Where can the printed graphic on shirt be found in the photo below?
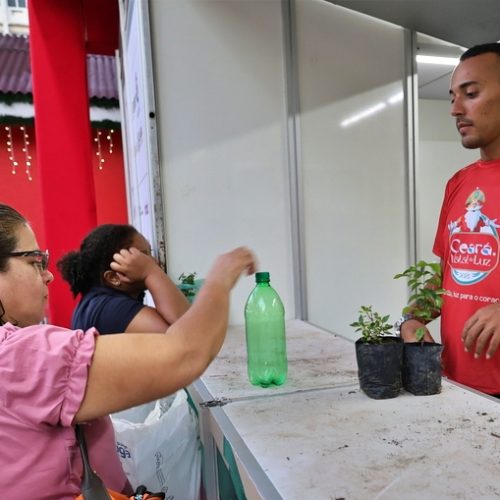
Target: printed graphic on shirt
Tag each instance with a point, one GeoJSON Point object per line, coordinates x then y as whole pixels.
{"type": "Point", "coordinates": [473, 242]}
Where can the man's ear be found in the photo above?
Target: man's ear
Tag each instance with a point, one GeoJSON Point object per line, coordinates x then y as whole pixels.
{"type": "Point", "coordinates": [111, 278]}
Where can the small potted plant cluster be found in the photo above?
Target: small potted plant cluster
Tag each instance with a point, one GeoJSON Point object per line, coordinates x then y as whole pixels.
{"type": "Point", "coordinates": [385, 363]}
{"type": "Point", "coordinates": [189, 285]}
{"type": "Point", "coordinates": [379, 355]}
{"type": "Point", "coordinates": [422, 360]}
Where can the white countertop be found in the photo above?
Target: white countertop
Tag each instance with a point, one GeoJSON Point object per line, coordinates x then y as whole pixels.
{"type": "Point", "coordinates": [319, 437]}
{"type": "Point", "coordinates": [339, 443]}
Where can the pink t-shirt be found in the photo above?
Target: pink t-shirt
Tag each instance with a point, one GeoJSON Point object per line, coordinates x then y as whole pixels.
{"type": "Point", "coordinates": [43, 374]}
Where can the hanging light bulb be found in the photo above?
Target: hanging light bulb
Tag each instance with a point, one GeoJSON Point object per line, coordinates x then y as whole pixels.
{"type": "Point", "coordinates": [110, 141]}
{"type": "Point", "coordinates": [97, 140]}
{"type": "Point", "coordinates": [27, 156]}
{"type": "Point", "coordinates": [10, 150]}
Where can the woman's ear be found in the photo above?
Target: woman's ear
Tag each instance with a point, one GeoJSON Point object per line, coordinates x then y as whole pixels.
{"type": "Point", "coordinates": [111, 278]}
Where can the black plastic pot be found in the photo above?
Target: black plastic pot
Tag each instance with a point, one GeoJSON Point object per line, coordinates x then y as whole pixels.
{"type": "Point", "coordinates": [379, 367]}
{"type": "Point", "coordinates": [422, 368]}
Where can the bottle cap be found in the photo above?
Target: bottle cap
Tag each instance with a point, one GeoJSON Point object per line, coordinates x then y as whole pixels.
{"type": "Point", "coordinates": [261, 277]}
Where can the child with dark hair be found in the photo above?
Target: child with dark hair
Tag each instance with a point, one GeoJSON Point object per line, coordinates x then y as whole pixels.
{"type": "Point", "coordinates": [111, 271]}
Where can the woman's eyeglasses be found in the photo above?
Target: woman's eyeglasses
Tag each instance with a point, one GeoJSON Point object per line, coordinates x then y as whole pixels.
{"type": "Point", "coordinates": [41, 257]}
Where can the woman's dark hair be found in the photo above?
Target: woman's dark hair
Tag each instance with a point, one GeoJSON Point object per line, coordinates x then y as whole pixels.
{"type": "Point", "coordinates": [84, 269]}
{"type": "Point", "coordinates": [10, 220]}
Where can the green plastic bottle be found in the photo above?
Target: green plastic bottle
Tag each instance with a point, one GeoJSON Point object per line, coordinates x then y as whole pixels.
{"type": "Point", "coordinates": [265, 334]}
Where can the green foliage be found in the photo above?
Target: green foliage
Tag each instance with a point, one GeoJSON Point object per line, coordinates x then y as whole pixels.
{"type": "Point", "coordinates": [187, 279]}
{"type": "Point", "coordinates": [372, 326]}
{"type": "Point", "coordinates": [187, 284]}
{"type": "Point", "coordinates": [425, 301]}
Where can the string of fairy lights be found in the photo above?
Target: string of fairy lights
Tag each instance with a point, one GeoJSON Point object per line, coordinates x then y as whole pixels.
{"type": "Point", "coordinates": [14, 163]}
{"type": "Point", "coordinates": [102, 138]}
{"type": "Point", "coordinates": [100, 149]}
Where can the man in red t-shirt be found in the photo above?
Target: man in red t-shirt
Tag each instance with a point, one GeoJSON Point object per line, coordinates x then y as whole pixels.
{"type": "Point", "coordinates": [467, 240]}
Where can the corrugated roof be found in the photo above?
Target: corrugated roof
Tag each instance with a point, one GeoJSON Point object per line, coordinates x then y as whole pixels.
{"type": "Point", "coordinates": [15, 70]}
{"type": "Point", "coordinates": [15, 73]}
{"type": "Point", "coordinates": [101, 75]}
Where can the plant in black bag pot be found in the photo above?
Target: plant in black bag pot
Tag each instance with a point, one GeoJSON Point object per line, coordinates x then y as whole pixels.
{"type": "Point", "coordinates": [189, 286]}
{"type": "Point", "coordinates": [422, 360]}
{"type": "Point", "coordinates": [379, 355]}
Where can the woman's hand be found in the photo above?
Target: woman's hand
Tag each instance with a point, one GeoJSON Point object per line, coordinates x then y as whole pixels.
{"type": "Point", "coordinates": [229, 266]}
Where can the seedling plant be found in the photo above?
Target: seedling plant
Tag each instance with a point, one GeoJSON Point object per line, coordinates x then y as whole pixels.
{"type": "Point", "coordinates": [187, 278]}
{"type": "Point", "coordinates": [372, 325]}
{"type": "Point", "coordinates": [425, 301]}
{"type": "Point", "coordinates": [187, 283]}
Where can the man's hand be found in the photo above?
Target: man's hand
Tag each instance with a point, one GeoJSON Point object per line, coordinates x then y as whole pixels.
{"type": "Point", "coordinates": [481, 333]}
{"type": "Point", "coordinates": [409, 329]}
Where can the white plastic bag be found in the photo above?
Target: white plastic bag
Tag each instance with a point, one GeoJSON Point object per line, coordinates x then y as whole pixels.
{"type": "Point", "coordinates": [158, 445]}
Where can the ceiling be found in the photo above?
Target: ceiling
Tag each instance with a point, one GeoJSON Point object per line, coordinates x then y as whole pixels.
{"type": "Point", "coordinates": [434, 79]}
{"type": "Point", "coordinates": [454, 24]}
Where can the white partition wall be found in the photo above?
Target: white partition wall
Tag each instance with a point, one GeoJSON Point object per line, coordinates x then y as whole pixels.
{"type": "Point", "coordinates": [224, 71]}
{"type": "Point", "coordinates": [353, 140]}
{"type": "Point", "coordinates": [220, 95]}
{"type": "Point", "coordinates": [441, 154]}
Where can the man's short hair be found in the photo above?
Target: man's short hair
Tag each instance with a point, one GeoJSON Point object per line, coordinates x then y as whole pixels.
{"type": "Point", "coordinates": [484, 48]}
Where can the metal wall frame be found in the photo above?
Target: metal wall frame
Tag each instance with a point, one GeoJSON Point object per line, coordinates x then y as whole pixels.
{"type": "Point", "coordinates": [140, 8]}
{"type": "Point", "coordinates": [293, 152]}
{"type": "Point", "coordinates": [293, 156]}
{"type": "Point", "coordinates": [411, 122]}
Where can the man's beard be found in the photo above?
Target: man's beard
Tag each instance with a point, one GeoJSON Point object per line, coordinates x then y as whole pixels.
{"type": "Point", "coordinates": [471, 141]}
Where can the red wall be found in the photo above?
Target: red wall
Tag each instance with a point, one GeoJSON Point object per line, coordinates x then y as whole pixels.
{"type": "Point", "coordinates": [109, 182]}
{"type": "Point", "coordinates": [25, 195]}
{"type": "Point", "coordinates": [16, 190]}
{"type": "Point", "coordinates": [59, 43]}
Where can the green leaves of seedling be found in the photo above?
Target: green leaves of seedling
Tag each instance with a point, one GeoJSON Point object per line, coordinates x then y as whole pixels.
{"type": "Point", "coordinates": [187, 284]}
{"type": "Point", "coordinates": [187, 279]}
{"type": "Point", "coordinates": [425, 301]}
{"type": "Point", "coordinates": [372, 326]}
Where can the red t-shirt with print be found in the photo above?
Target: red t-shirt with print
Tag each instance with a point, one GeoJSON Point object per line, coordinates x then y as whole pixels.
{"type": "Point", "coordinates": [467, 241]}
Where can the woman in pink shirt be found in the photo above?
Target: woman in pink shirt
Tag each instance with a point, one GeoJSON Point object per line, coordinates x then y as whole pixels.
{"type": "Point", "coordinates": [53, 378]}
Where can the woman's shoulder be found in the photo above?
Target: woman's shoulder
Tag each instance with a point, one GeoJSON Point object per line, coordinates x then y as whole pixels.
{"type": "Point", "coordinates": [7, 330]}
{"type": "Point", "coordinates": [44, 336]}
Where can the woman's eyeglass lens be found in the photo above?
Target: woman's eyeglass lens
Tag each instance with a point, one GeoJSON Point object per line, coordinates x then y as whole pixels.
{"type": "Point", "coordinates": [42, 257]}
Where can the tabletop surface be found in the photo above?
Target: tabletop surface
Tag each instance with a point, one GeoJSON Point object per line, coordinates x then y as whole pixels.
{"type": "Point", "coordinates": [319, 437]}
{"type": "Point", "coordinates": [316, 359]}
{"type": "Point", "coordinates": [340, 444]}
